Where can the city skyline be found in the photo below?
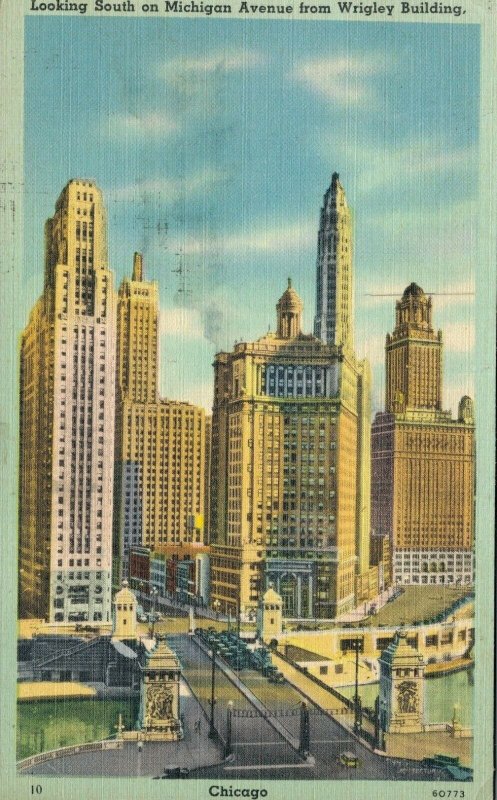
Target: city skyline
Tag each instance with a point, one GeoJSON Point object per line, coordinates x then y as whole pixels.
{"type": "Point", "coordinates": [195, 195]}
{"type": "Point", "coordinates": [249, 281]}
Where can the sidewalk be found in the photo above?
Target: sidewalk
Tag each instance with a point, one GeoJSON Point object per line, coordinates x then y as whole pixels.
{"type": "Point", "coordinates": [314, 693]}
{"type": "Point", "coordinates": [362, 611]}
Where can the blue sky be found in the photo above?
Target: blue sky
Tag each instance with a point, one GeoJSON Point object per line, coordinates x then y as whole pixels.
{"type": "Point", "coordinates": [214, 141]}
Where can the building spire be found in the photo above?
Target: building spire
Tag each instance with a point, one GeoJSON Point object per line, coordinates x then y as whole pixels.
{"type": "Point", "coordinates": [333, 322]}
{"type": "Point", "coordinates": [137, 267]}
{"type": "Point", "coordinates": [289, 310]}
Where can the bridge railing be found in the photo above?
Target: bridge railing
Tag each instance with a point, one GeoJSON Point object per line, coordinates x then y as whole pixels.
{"type": "Point", "coordinates": [71, 750]}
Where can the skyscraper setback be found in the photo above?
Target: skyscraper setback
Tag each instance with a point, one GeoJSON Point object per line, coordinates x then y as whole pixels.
{"type": "Point", "coordinates": [290, 450]}
{"type": "Point", "coordinates": [67, 404]}
{"type": "Point", "coordinates": [105, 463]}
{"type": "Point", "coordinates": [160, 444]}
{"type": "Point", "coordinates": [422, 459]}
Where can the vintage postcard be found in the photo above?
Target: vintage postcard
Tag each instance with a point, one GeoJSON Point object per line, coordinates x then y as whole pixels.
{"type": "Point", "coordinates": [248, 275]}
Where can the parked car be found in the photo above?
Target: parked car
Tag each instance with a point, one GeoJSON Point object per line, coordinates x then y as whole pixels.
{"type": "Point", "coordinates": [175, 772]}
{"type": "Point", "coordinates": [276, 677]}
{"type": "Point", "coordinates": [349, 759]}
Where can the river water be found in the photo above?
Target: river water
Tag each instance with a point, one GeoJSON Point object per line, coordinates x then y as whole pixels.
{"type": "Point", "coordinates": [441, 694]}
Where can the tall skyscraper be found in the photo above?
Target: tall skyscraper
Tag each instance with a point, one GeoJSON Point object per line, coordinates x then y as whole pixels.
{"type": "Point", "coordinates": [67, 402]}
{"type": "Point", "coordinates": [290, 459]}
{"type": "Point", "coordinates": [334, 320]}
{"type": "Point", "coordinates": [138, 337]}
{"type": "Point", "coordinates": [160, 444]}
{"type": "Point", "coordinates": [422, 459]}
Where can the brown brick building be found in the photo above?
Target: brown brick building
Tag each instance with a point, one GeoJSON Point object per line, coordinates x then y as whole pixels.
{"type": "Point", "coordinates": [422, 460]}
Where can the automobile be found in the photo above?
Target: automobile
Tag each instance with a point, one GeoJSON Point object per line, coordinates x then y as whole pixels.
{"type": "Point", "coordinates": [175, 772]}
{"type": "Point", "coordinates": [348, 759]}
{"type": "Point", "coordinates": [142, 618]}
{"type": "Point", "coordinates": [276, 677]}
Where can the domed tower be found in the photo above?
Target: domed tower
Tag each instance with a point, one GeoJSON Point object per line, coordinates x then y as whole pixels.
{"type": "Point", "coordinates": [270, 615]}
{"type": "Point", "coordinates": [124, 613]}
{"type": "Point", "coordinates": [413, 356]}
{"type": "Point", "coordinates": [289, 310]}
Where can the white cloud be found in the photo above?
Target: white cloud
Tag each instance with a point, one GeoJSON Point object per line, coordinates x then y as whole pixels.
{"type": "Point", "coordinates": [265, 239]}
{"type": "Point", "coordinates": [169, 189]}
{"type": "Point", "coordinates": [390, 166]}
{"type": "Point", "coordinates": [343, 80]}
{"type": "Point", "coordinates": [371, 347]}
{"type": "Point", "coordinates": [459, 337]}
{"type": "Point", "coordinates": [200, 394]}
{"type": "Point", "coordinates": [147, 124]}
{"type": "Point", "coordinates": [186, 388]}
{"type": "Point", "coordinates": [449, 295]}
{"type": "Point", "coordinates": [454, 389]}
{"type": "Point", "coordinates": [182, 322]}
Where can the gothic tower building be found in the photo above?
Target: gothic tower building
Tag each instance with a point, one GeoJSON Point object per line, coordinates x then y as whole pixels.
{"type": "Point", "coordinates": [334, 320]}
{"type": "Point", "coordinates": [423, 461]}
{"type": "Point", "coordinates": [67, 402]}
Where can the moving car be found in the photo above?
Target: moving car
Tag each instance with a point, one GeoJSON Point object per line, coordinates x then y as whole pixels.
{"type": "Point", "coordinates": [348, 759]}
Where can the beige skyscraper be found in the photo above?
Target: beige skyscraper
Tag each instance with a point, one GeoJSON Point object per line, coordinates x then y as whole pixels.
{"type": "Point", "coordinates": [160, 444]}
{"type": "Point", "coordinates": [67, 402]}
{"type": "Point", "coordinates": [423, 460]}
{"type": "Point", "coordinates": [290, 451]}
{"type": "Point", "coordinates": [138, 337]}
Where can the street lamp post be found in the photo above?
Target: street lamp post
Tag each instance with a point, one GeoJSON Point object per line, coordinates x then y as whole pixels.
{"type": "Point", "coordinates": [154, 594]}
{"type": "Point", "coordinates": [357, 699]}
{"type": "Point", "coordinates": [212, 729]}
{"type": "Point", "coordinates": [305, 732]}
{"type": "Point", "coordinates": [229, 723]}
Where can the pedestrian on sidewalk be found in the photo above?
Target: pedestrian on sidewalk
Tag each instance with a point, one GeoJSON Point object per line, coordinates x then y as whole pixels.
{"type": "Point", "coordinates": [140, 745]}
